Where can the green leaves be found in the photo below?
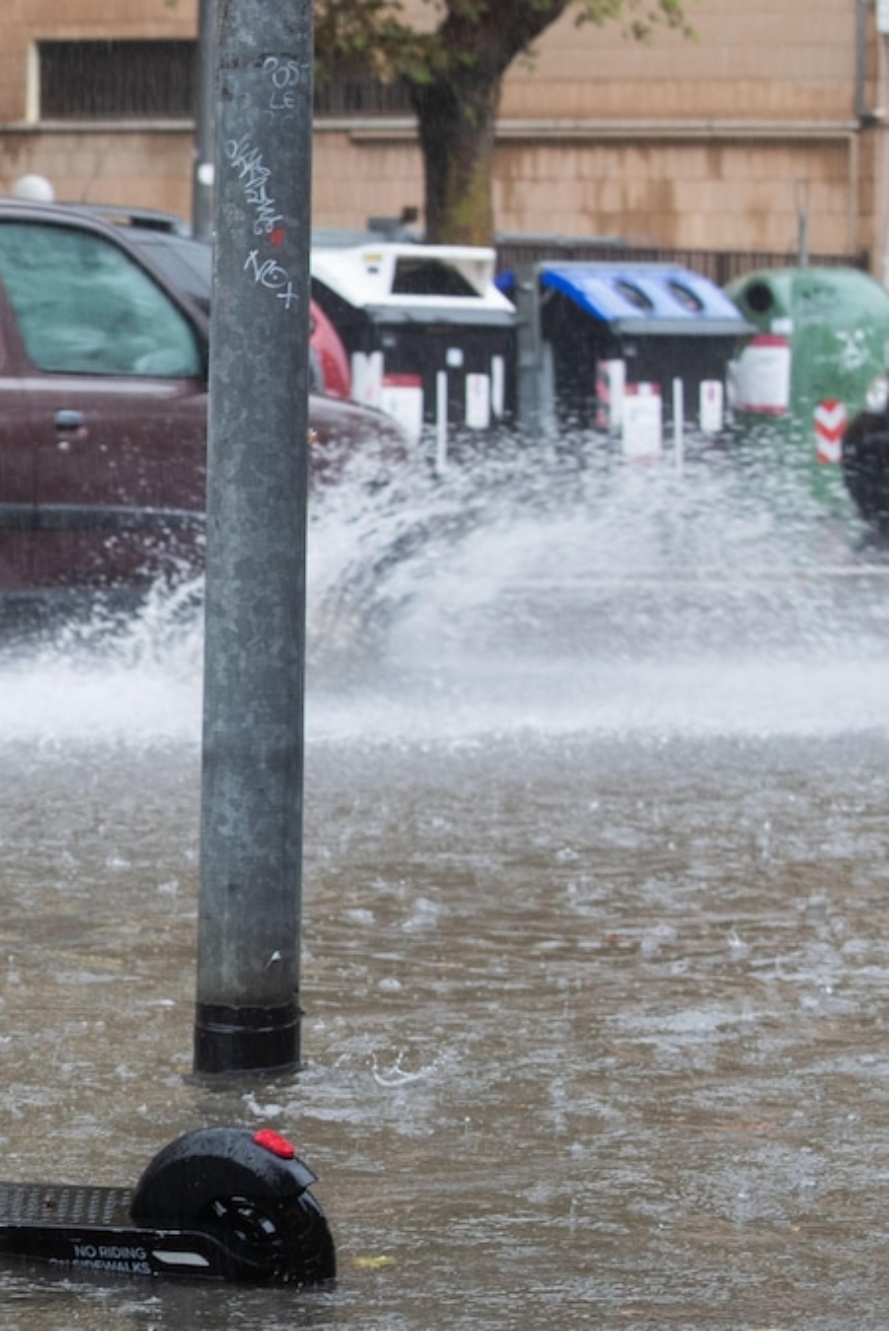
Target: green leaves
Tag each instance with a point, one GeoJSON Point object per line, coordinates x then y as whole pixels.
{"type": "Point", "coordinates": [369, 35]}
{"type": "Point", "coordinates": [453, 59]}
{"type": "Point", "coordinates": [376, 35]}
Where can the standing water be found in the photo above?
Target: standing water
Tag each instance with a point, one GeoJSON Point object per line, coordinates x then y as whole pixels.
{"type": "Point", "coordinates": [596, 963]}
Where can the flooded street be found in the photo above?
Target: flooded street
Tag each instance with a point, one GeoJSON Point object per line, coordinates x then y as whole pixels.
{"type": "Point", "coordinates": [596, 935]}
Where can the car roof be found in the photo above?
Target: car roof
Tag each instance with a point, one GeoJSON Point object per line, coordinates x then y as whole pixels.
{"type": "Point", "coordinates": [147, 219]}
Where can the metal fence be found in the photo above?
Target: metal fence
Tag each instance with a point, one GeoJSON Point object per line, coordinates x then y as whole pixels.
{"type": "Point", "coordinates": [720, 266]}
{"type": "Point", "coordinates": [116, 79]}
{"type": "Point", "coordinates": [357, 94]}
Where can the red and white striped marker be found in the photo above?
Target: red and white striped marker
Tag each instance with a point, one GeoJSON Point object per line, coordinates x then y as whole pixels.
{"type": "Point", "coordinates": [830, 426]}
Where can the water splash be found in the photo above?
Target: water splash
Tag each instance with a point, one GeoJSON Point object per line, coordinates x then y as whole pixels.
{"type": "Point", "coordinates": [543, 587]}
{"type": "Point", "coordinates": [554, 590]}
{"type": "Point", "coordinates": [108, 677]}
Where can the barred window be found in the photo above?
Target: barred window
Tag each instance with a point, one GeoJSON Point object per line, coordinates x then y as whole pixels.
{"type": "Point", "coordinates": [117, 79]}
{"type": "Point", "coordinates": [132, 80]}
{"type": "Point", "coordinates": [347, 93]}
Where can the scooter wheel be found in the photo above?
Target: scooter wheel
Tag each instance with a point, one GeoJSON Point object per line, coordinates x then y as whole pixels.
{"type": "Point", "coordinates": [288, 1244]}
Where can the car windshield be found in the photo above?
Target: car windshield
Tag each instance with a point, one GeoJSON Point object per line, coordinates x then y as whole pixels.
{"type": "Point", "coordinates": [83, 306]}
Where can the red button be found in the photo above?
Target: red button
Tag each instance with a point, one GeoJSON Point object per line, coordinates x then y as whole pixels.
{"type": "Point", "coordinates": [274, 1142]}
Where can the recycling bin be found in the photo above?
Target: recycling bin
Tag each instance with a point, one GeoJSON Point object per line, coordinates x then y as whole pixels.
{"type": "Point", "coordinates": [821, 337]}
{"type": "Point", "coordinates": [429, 336]}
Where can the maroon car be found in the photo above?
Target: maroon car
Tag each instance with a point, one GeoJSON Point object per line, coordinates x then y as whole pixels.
{"type": "Point", "coordinates": [103, 407]}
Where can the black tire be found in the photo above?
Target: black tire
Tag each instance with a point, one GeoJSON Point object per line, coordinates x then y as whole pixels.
{"type": "Point", "coordinates": [865, 463]}
{"type": "Point", "coordinates": [289, 1243]}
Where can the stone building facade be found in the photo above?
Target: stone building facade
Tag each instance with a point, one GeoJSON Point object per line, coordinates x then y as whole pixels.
{"type": "Point", "coordinates": [776, 112]}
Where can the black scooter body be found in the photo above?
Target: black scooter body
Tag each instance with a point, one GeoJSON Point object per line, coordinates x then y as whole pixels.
{"type": "Point", "coordinates": [216, 1204]}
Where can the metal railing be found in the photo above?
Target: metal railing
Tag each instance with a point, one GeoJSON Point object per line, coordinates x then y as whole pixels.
{"type": "Point", "coordinates": [720, 266]}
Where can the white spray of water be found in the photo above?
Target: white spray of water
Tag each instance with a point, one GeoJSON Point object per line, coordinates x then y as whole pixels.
{"type": "Point", "coordinates": [554, 598]}
{"type": "Point", "coordinates": [107, 680]}
{"type": "Point", "coordinates": [523, 591]}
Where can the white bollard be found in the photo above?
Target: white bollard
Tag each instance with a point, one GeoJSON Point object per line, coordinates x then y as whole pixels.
{"type": "Point", "coordinates": [679, 424]}
{"type": "Point", "coordinates": [441, 421]}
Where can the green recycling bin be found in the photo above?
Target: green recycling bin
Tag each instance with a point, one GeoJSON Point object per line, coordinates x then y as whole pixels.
{"type": "Point", "coordinates": [822, 336]}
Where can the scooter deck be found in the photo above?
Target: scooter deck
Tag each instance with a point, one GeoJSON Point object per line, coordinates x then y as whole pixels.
{"type": "Point", "coordinates": [89, 1229]}
{"type": "Point", "coordinates": [64, 1204]}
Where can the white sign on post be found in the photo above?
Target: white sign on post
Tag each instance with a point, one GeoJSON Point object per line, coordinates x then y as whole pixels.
{"type": "Point", "coordinates": [478, 401]}
{"type": "Point", "coordinates": [762, 375]}
{"type": "Point", "coordinates": [367, 377]}
{"type": "Point", "coordinates": [643, 433]}
{"type": "Point", "coordinates": [710, 414]}
{"type": "Point", "coordinates": [401, 396]}
{"type": "Point", "coordinates": [610, 378]}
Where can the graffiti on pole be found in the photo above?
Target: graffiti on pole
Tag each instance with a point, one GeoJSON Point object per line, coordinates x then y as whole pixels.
{"type": "Point", "coordinates": [285, 77]}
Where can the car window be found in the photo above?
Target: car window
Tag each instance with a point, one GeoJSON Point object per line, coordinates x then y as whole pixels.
{"type": "Point", "coordinates": [186, 263]}
{"type": "Point", "coordinates": [84, 307]}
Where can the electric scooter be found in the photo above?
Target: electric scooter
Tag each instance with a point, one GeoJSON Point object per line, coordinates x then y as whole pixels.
{"type": "Point", "coordinates": [223, 1204]}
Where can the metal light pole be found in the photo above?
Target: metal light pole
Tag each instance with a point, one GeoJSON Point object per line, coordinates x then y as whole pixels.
{"type": "Point", "coordinates": [205, 117]}
{"type": "Point", "coordinates": [248, 1003]}
{"type": "Point", "coordinates": [530, 349]}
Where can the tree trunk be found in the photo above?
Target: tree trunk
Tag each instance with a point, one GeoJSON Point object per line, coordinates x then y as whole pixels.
{"type": "Point", "coordinates": [456, 121]}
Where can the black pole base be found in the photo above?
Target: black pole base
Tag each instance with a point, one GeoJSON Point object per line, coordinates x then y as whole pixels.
{"type": "Point", "coordinates": [237, 1041]}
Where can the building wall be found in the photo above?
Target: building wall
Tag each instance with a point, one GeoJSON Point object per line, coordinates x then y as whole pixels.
{"type": "Point", "coordinates": [699, 194]}
{"type": "Point", "coordinates": [374, 175]}
{"type": "Point", "coordinates": [23, 22]}
{"type": "Point", "coordinates": [149, 169]}
{"type": "Point", "coordinates": [148, 166]}
{"type": "Point", "coordinates": [756, 61]}
{"type": "Point", "coordinates": [712, 143]}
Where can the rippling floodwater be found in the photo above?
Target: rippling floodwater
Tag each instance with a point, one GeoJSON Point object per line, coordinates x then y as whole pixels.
{"type": "Point", "coordinates": [596, 966]}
